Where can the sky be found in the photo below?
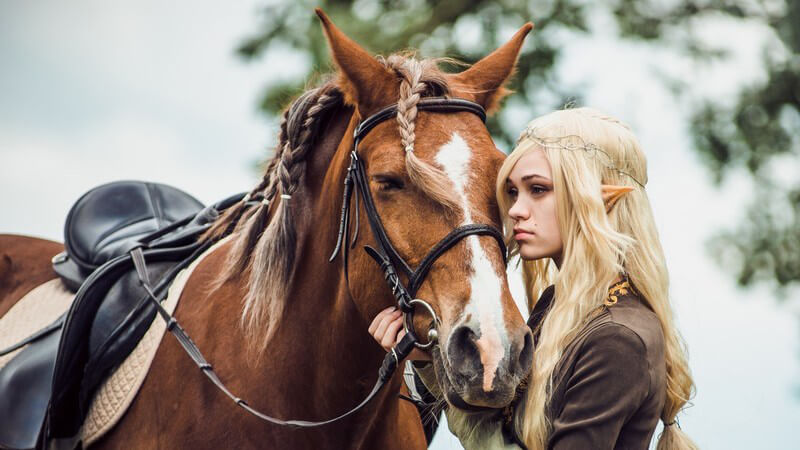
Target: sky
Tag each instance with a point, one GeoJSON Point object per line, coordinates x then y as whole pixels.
{"type": "Point", "coordinates": [94, 91]}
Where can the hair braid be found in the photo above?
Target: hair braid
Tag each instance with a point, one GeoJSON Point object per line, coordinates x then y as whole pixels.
{"type": "Point", "coordinates": [274, 252]}
{"type": "Point", "coordinates": [430, 179]}
{"type": "Point", "coordinates": [235, 216]}
{"type": "Point", "coordinates": [410, 94]}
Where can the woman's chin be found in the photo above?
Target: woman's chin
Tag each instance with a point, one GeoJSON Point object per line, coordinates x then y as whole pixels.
{"type": "Point", "coordinates": [529, 254]}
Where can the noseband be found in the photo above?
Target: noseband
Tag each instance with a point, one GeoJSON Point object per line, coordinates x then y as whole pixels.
{"type": "Point", "coordinates": [384, 253]}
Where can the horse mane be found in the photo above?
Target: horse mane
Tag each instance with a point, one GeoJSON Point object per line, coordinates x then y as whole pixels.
{"type": "Point", "coordinates": [265, 249]}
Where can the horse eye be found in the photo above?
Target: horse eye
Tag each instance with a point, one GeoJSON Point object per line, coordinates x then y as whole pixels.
{"type": "Point", "coordinates": [388, 183]}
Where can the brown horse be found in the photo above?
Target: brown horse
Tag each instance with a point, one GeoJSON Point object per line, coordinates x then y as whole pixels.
{"type": "Point", "coordinates": [283, 327]}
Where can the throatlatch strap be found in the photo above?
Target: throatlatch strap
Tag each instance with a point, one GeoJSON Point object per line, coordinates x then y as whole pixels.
{"type": "Point", "coordinates": [390, 361]}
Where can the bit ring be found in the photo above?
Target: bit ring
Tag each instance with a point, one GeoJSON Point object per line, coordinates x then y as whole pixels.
{"type": "Point", "coordinates": [409, 325]}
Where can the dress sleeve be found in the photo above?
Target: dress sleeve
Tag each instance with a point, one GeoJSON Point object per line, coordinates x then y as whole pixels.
{"type": "Point", "coordinates": [609, 382]}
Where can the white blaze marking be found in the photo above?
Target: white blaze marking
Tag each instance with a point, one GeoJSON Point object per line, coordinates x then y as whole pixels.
{"type": "Point", "coordinates": [485, 283]}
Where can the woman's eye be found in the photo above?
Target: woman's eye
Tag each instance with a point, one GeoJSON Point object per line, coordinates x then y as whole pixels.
{"type": "Point", "coordinates": [512, 192]}
{"type": "Point", "coordinates": [537, 189]}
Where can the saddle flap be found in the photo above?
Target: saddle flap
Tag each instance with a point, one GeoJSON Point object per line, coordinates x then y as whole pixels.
{"type": "Point", "coordinates": [105, 322]}
{"type": "Point", "coordinates": [25, 384]}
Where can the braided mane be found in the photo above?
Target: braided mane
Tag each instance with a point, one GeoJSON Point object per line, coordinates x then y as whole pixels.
{"type": "Point", "coordinates": [266, 249]}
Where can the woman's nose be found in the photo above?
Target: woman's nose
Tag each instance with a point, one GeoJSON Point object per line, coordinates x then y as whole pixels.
{"type": "Point", "coordinates": [518, 211]}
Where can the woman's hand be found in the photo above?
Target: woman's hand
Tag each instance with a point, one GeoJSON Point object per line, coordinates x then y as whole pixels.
{"type": "Point", "coordinates": [387, 329]}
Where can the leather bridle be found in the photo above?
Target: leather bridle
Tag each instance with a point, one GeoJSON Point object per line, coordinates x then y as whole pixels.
{"type": "Point", "coordinates": [385, 255]}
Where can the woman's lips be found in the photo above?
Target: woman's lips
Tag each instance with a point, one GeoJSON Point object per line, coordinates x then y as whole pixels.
{"type": "Point", "coordinates": [520, 235]}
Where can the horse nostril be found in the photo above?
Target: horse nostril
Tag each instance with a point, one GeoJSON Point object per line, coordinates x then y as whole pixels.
{"type": "Point", "coordinates": [463, 353]}
{"type": "Point", "coordinates": [526, 354]}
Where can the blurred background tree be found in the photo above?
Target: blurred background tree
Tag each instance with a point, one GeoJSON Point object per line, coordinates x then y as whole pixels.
{"type": "Point", "coordinates": [756, 133]}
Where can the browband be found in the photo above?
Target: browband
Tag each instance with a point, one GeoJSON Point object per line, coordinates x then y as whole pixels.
{"type": "Point", "coordinates": [436, 104]}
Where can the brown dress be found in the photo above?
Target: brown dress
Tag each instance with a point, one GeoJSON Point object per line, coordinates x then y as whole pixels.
{"type": "Point", "coordinates": [610, 384]}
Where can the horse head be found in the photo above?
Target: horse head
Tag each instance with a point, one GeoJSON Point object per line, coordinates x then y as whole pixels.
{"type": "Point", "coordinates": [428, 173]}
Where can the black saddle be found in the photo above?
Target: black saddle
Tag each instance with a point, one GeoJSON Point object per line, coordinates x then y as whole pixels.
{"type": "Point", "coordinates": [46, 390]}
{"type": "Point", "coordinates": [109, 220]}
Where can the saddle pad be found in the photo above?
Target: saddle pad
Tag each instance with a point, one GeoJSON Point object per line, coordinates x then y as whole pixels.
{"type": "Point", "coordinates": [116, 394]}
{"type": "Point", "coordinates": [37, 309]}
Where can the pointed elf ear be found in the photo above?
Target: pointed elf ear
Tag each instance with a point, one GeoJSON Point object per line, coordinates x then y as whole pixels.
{"type": "Point", "coordinates": [487, 76]}
{"type": "Point", "coordinates": [613, 193]}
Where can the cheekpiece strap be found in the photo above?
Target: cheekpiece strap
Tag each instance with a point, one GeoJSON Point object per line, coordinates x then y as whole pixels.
{"type": "Point", "coordinates": [399, 291]}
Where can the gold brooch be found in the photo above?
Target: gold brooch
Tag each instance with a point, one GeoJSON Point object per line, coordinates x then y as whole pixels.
{"type": "Point", "coordinates": [618, 289]}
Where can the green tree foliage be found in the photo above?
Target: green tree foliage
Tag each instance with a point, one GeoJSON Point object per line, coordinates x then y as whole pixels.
{"type": "Point", "coordinates": [756, 133]}
{"type": "Point", "coordinates": [435, 28]}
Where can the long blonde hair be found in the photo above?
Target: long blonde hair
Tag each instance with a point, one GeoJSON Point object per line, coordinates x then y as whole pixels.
{"type": "Point", "coordinates": [585, 149]}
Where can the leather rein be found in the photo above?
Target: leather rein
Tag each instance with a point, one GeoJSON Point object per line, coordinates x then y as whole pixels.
{"type": "Point", "coordinates": [385, 255]}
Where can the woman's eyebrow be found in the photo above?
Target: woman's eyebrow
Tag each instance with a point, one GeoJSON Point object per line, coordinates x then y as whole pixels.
{"type": "Point", "coordinates": [534, 175]}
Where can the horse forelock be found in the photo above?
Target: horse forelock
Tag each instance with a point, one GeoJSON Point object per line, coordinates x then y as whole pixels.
{"type": "Point", "coordinates": [419, 79]}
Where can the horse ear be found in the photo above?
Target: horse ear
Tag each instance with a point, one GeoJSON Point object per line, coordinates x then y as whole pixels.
{"type": "Point", "coordinates": [487, 76]}
{"type": "Point", "coordinates": [366, 81]}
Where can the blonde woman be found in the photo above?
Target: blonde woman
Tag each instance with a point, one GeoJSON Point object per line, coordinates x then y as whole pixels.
{"type": "Point", "coordinates": [608, 361]}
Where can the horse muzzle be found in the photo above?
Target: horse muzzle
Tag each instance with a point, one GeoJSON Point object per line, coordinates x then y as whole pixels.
{"type": "Point", "coordinates": [477, 374]}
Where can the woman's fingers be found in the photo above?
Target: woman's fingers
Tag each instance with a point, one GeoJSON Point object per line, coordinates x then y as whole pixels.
{"type": "Point", "coordinates": [391, 337]}
{"type": "Point", "coordinates": [377, 320]}
{"type": "Point", "coordinates": [380, 331]}
{"type": "Point", "coordinates": [387, 329]}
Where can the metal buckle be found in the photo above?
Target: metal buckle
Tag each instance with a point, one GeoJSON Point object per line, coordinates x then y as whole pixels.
{"type": "Point", "coordinates": [59, 258]}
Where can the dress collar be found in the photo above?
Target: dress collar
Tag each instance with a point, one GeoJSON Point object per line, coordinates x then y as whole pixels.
{"type": "Point", "coordinates": [615, 292]}
{"type": "Point", "coordinates": [540, 310]}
